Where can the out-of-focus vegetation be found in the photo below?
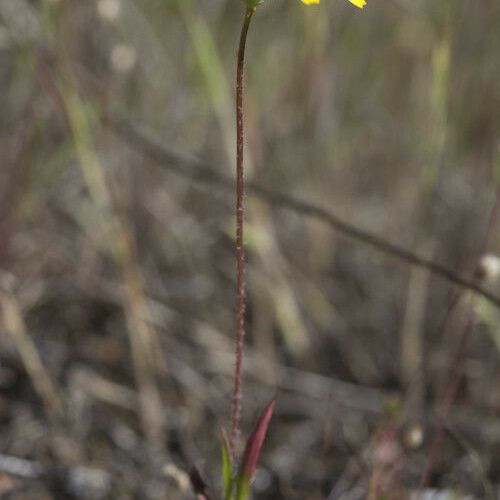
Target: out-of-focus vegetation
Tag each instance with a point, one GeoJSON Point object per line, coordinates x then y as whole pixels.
{"type": "Point", "coordinates": [117, 284]}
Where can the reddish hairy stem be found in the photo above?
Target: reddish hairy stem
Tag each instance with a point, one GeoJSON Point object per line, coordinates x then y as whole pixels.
{"type": "Point", "coordinates": [457, 367]}
{"type": "Point", "coordinates": [240, 251]}
{"type": "Point", "coordinates": [449, 397]}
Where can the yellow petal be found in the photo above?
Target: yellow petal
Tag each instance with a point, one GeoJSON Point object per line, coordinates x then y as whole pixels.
{"type": "Point", "coordinates": [358, 3]}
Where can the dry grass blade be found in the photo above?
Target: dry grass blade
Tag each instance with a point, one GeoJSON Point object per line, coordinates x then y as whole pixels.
{"type": "Point", "coordinates": [121, 246]}
{"type": "Point", "coordinates": [44, 386]}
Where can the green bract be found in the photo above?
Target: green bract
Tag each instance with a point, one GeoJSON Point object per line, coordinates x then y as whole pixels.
{"type": "Point", "coordinates": [251, 4]}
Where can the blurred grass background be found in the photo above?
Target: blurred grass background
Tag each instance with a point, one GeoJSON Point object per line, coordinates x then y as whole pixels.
{"type": "Point", "coordinates": [118, 278]}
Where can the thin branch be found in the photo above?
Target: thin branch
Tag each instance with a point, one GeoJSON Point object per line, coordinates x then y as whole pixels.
{"type": "Point", "coordinates": [205, 175]}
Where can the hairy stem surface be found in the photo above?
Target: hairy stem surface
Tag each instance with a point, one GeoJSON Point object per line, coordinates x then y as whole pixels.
{"type": "Point", "coordinates": [240, 251]}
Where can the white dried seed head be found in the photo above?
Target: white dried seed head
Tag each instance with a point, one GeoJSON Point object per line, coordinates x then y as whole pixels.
{"type": "Point", "coordinates": [489, 267]}
{"type": "Point", "coordinates": [414, 437]}
{"type": "Point", "coordinates": [123, 57]}
{"type": "Point", "coordinates": [109, 10]}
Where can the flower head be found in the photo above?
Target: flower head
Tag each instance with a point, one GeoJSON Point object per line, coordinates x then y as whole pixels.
{"type": "Point", "coordinates": [357, 3]}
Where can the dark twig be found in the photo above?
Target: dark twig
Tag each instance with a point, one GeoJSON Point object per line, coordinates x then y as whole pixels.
{"type": "Point", "coordinates": [198, 484]}
{"type": "Point", "coordinates": [205, 175]}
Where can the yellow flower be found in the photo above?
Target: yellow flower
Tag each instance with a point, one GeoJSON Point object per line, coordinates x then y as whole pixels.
{"type": "Point", "coordinates": [357, 3]}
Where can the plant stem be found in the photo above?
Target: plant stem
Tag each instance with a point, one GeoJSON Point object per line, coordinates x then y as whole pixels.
{"type": "Point", "coordinates": [457, 366]}
{"type": "Point", "coordinates": [240, 252]}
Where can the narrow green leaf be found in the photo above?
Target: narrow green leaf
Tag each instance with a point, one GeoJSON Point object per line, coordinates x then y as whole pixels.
{"type": "Point", "coordinates": [243, 489]}
{"type": "Point", "coordinates": [227, 468]}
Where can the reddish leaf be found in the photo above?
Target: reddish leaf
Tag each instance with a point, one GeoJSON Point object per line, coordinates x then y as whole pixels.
{"type": "Point", "coordinates": [254, 444]}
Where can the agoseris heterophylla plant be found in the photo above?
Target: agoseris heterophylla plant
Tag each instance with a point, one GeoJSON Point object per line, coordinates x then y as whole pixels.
{"type": "Point", "coordinates": [237, 480]}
